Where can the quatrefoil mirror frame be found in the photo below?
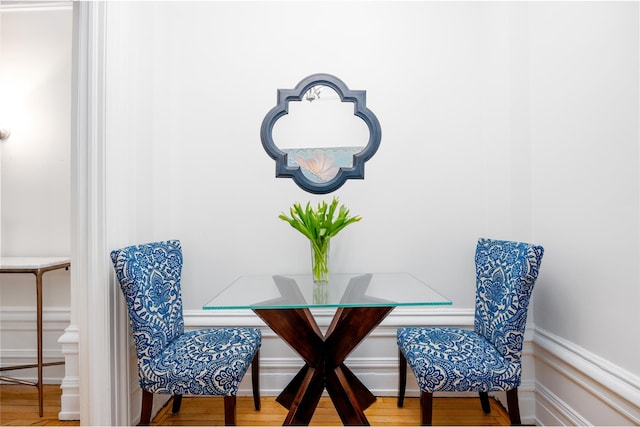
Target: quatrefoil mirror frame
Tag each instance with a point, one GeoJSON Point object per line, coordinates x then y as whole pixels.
{"type": "Point", "coordinates": [285, 169]}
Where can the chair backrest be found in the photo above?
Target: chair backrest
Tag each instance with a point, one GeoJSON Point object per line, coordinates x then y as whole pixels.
{"type": "Point", "coordinates": [149, 276]}
{"type": "Point", "coordinates": [505, 275]}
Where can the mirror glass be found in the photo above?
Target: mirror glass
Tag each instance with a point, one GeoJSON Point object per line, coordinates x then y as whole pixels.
{"type": "Point", "coordinates": [320, 133]}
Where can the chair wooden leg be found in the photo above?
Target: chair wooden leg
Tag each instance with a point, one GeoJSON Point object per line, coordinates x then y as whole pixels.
{"type": "Point", "coordinates": [402, 374]}
{"type": "Point", "coordinates": [177, 401]}
{"type": "Point", "coordinates": [513, 407]}
{"type": "Point", "coordinates": [230, 410]}
{"type": "Point", "coordinates": [426, 408]}
{"type": "Point", "coordinates": [145, 412]}
{"type": "Point", "coordinates": [484, 401]}
{"type": "Point", "coordinates": [255, 379]}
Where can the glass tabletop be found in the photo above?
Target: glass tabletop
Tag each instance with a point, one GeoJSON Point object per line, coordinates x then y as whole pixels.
{"type": "Point", "coordinates": [343, 290]}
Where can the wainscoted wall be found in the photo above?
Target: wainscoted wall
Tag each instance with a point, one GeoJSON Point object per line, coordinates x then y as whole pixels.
{"type": "Point", "coordinates": [18, 337]}
{"type": "Point", "coordinates": [576, 387]}
{"type": "Point", "coordinates": [375, 361]}
{"type": "Point", "coordinates": [562, 383]}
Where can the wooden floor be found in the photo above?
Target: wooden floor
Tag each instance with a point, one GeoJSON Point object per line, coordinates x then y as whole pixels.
{"type": "Point", "coordinates": [19, 407]}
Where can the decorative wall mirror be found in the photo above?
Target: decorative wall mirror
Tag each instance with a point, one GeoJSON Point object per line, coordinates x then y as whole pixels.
{"type": "Point", "coordinates": [323, 137]}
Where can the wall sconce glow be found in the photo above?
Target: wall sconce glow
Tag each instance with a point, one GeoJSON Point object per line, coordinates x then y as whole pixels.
{"type": "Point", "coordinates": [4, 134]}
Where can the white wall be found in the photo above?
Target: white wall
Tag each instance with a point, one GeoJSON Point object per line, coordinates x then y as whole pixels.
{"type": "Point", "coordinates": [584, 109]}
{"type": "Point", "coordinates": [188, 88]}
{"type": "Point", "coordinates": [189, 84]}
{"type": "Point", "coordinates": [584, 131]}
{"type": "Point", "coordinates": [507, 120]}
{"type": "Point", "coordinates": [35, 103]}
{"type": "Point", "coordinates": [493, 125]}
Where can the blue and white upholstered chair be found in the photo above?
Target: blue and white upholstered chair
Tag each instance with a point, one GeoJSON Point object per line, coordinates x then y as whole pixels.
{"type": "Point", "coordinates": [203, 362]}
{"type": "Point", "coordinates": [486, 359]}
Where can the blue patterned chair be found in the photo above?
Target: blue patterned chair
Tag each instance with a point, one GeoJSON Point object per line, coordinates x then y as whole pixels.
{"type": "Point", "coordinates": [204, 362]}
{"type": "Point", "coordinates": [486, 359]}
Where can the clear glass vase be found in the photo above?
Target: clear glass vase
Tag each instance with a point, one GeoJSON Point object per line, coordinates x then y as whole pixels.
{"type": "Point", "coordinates": [321, 293]}
{"type": "Point", "coordinates": [320, 262]}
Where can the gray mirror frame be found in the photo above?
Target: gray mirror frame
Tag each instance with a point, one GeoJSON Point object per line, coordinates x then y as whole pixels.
{"type": "Point", "coordinates": [358, 97]}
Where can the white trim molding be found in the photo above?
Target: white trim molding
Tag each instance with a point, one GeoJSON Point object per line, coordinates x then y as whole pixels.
{"type": "Point", "coordinates": [18, 328]}
{"type": "Point", "coordinates": [70, 385]}
{"type": "Point", "coordinates": [576, 387]}
{"type": "Point", "coordinates": [401, 316]}
{"type": "Point", "coordinates": [91, 290]}
{"type": "Point", "coordinates": [30, 6]}
{"type": "Point", "coordinates": [18, 318]}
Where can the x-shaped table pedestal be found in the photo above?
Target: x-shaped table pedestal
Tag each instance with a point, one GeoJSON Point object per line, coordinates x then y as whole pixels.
{"type": "Point", "coordinates": [324, 357]}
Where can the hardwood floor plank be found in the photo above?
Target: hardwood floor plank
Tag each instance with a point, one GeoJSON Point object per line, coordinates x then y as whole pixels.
{"type": "Point", "coordinates": [19, 407]}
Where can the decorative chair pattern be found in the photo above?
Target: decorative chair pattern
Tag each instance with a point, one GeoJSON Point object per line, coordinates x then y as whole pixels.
{"type": "Point", "coordinates": [171, 361]}
{"type": "Point", "coordinates": [487, 359]}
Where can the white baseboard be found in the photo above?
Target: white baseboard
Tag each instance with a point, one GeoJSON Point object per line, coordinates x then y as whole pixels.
{"type": "Point", "coordinates": [576, 387]}
{"type": "Point", "coordinates": [70, 399]}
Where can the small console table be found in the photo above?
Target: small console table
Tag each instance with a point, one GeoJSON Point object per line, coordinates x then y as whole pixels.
{"type": "Point", "coordinates": [37, 266]}
{"type": "Point", "coordinates": [362, 301]}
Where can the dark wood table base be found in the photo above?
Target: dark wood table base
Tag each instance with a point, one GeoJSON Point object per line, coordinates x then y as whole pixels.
{"type": "Point", "coordinates": [324, 357]}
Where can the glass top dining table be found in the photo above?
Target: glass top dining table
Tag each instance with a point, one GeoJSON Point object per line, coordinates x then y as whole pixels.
{"type": "Point", "coordinates": [343, 290]}
{"type": "Point", "coordinates": [362, 301]}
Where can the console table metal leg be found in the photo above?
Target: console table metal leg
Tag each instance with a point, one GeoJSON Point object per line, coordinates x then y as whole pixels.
{"type": "Point", "coordinates": [39, 327]}
{"type": "Point", "coordinates": [37, 266]}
